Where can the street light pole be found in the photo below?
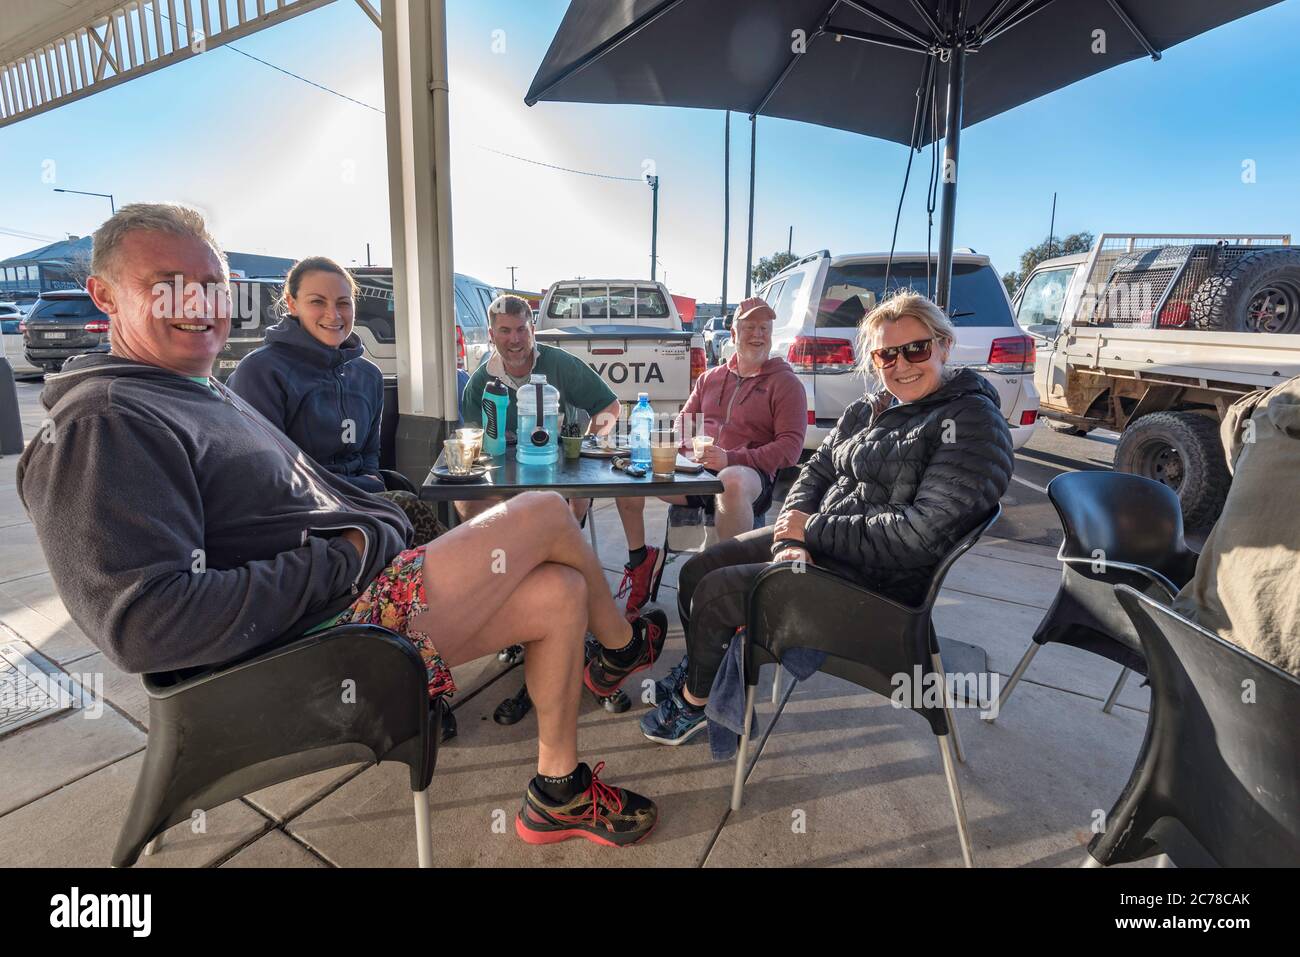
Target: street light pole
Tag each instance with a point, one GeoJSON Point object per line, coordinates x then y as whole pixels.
{"type": "Point", "coordinates": [512, 275]}
{"type": "Point", "coordinates": [109, 196]}
{"type": "Point", "coordinates": [654, 222]}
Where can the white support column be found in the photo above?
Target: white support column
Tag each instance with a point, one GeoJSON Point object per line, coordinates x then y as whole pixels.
{"type": "Point", "coordinates": [419, 202]}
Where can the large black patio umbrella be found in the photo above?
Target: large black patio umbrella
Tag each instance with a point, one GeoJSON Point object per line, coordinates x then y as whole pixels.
{"type": "Point", "coordinates": [869, 66]}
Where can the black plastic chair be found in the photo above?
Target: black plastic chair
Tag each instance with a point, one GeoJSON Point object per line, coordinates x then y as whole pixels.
{"type": "Point", "coordinates": [1217, 782]}
{"type": "Point", "coordinates": [395, 481]}
{"type": "Point", "coordinates": [1120, 529]}
{"type": "Point", "coordinates": [868, 639]}
{"type": "Point", "coordinates": [221, 733]}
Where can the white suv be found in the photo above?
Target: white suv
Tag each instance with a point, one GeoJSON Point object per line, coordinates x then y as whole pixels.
{"type": "Point", "coordinates": [820, 300]}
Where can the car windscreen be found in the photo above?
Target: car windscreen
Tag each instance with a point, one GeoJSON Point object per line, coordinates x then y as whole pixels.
{"type": "Point", "coordinates": [374, 307]}
{"type": "Point", "coordinates": [54, 310]}
{"type": "Point", "coordinates": [854, 289]}
{"type": "Point", "coordinates": [606, 304]}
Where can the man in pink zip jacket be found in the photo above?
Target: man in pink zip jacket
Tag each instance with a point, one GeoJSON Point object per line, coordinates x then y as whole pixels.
{"type": "Point", "coordinates": [756, 410]}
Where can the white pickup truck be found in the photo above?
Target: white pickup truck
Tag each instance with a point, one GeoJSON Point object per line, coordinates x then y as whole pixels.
{"type": "Point", "coordinates": [630, 333]}
{"type": "Point", "coordinates": [1154, 336]}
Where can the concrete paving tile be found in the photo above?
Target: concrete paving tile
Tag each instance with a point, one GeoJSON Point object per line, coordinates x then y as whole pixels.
{"type": "Point", "coordinates": [1008, 580]}
{"type": "Point", "coordinates": [20, 553]}
{"type": "Point", "coordinates": [41, 757]}
{"type": "Point", "coordinates": [480, 783]}
{"type": "Point", "coordinates": [283, 801]}
{"type": "Point", "coordinates": [31, 607]}
{"type": "Point", "coordinates": [869, 784]}
{"type": "Point", "coordinates": [274, 849]}
{"type": "Point", "coordinates": [77, 826]}
{"type": "Point", "coordinates": [124, 691]}
{"type": "Point", "coordinates": [1003, 630]}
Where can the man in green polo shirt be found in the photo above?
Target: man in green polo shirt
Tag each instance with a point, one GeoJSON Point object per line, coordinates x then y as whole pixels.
{"type": "Point", "coordinates": [515, 356]}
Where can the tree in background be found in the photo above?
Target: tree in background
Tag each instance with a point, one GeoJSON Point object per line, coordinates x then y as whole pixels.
{"type": "Point", "coordinates": [769, 266]}
{"type": "Point", "coordinates": [1047, 249]}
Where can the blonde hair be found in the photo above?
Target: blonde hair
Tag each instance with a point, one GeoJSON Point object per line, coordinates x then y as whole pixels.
{"type": "Point", "coordinates": [171, 218]}
{"type": "Point", "coordinates": [902, 303]}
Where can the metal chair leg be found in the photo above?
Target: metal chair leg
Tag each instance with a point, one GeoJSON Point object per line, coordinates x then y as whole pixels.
{"type": "Point", "coordinates": [152, 847]}
{"type": "Point", "coordinates": [423, 828]}
{"type": "Point", "coordinates": [1090, 861]}
{"type": "Point", "coordinates": [738, 786]}
{"type": "Point", "coordinates": [776, 684]}
{"type": "Point", "coordinates": [1114, 692]}
{"type": "Point", "coordinates": [937, 661]}
{"type": "Point", "coordinates": [1163, 860]}
{"type": "Point", "coordinates": [1028, 656]}
{"type": "Point", "coordinates": [958, 805]}
{"type": "Point", "coordinates": [591, 526]}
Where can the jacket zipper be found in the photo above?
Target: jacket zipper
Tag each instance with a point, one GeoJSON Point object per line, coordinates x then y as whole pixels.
{"type": "Point", "coordinates": [740, 380]}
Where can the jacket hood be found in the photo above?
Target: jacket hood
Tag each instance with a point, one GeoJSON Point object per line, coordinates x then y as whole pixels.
{"type": "Point", "coordinates": [288, 332]}
{"type": "Point", "coordinates": [79, 368]}
{"type": "Point", "coordinates": [772, 366]}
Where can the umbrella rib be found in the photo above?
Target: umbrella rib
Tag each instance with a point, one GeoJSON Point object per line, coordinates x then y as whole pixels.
{"type": "Point", "coordinates": [1134, 29]}
{"type": "Point", "coordinates": [925, 15]}
{"type": "Point", "coordinates": [876, 38]}
{"type": "Point", "coordinates": [616, 40]}
{"type": "Point", "coordinates": [1013, 19]}
{"type": "Point", "coordinates": [771, 90]}
{"type": "Point", "coordinates": [896, 25]}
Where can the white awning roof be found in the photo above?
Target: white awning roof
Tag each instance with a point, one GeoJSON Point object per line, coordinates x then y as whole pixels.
{"type": "Point", "coordinates": [56, 51]}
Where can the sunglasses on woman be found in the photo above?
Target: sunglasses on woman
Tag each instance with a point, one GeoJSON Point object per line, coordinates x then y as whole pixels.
{"type": "Point", "coordinates": [914, 352]}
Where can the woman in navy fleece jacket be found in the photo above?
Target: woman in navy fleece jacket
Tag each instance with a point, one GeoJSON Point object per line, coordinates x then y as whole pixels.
{"type": "Point", "coordinates": [312, 380]}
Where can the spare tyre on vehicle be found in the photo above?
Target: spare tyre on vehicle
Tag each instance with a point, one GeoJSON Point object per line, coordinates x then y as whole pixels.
{"type": "Point", "coordinates": [1183, 451]}
{"type": "Point", "coordinates": [1256, 292]}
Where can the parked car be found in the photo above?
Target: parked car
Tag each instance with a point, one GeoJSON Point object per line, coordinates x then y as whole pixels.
{"type": "Point", "coordinates": [716, 331]}
{"type": "Point", "coordinates": [256, 305]}
{"type": "Point", "coordinates": [11, 338]}
{"type": "Point", "coordinates": [630, 333]}
{"type": "Point", "coordinates": [820, 300]}
{"type": "Point", "coordinates": [63, 324]}
{"type": "Point", "coordinates": [1154, 336]}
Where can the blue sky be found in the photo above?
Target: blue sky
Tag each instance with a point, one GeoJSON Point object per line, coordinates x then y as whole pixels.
{"type": "Point", "coordinates": [286, 169]}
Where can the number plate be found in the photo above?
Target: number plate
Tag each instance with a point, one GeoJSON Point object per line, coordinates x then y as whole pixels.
{"type": "Point", "coordinates": [227, 363]}
{"type": "Point", "coordinates": [55, 335]}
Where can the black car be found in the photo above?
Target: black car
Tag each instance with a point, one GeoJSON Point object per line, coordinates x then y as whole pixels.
{"type": "Point", "coordinates": [61, 325]}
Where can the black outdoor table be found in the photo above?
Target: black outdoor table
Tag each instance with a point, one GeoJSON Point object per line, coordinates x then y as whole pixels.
{"type": "Point", "coordinates": [585, 477]}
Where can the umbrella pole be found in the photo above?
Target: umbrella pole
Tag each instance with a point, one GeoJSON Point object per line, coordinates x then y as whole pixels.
{"type": "Point", "coordinates": [749, 248]}
{"type": "Point", "coordinates": [951, 143]}
{"type": "Point", "coordinates": [726, 211]}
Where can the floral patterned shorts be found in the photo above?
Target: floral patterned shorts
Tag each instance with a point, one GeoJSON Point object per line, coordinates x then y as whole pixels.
{"type": "Point", "coordinates": [391, 601]}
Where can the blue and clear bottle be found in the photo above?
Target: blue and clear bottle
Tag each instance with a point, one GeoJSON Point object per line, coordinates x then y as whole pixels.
{"type": "Point", "coordinates": [639, 426]}
{"type": "Point", "coordinates": [539, 422]}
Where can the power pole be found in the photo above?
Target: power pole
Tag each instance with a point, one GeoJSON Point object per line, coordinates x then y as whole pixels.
{"type": "Point", "coordinates": [367, 254]}
{"type": "Point", "coordinates": [1052, 228]}
{"type": "Point", "coordinates": [726, 209]}
{"type": "Point", "coordinates": [749, 246]}
{"type": "Point", "coordinates": [512, 275]}
{"type": "Point", "coordinates": [789, 244]}
{"type": "Point", "coordinates": [654, 222]}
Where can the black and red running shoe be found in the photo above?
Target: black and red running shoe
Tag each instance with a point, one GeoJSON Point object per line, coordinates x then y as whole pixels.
{"type": "Point", "coordinates": [603, 676]}
{"type": "Point", "coordinates": [611, 816]}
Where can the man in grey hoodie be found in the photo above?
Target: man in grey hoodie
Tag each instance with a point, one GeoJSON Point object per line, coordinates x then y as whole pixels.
{"type": "Point", "coordinates": [183, 529]}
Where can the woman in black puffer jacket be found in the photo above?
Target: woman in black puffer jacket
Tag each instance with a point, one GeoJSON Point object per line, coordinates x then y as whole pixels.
{"type": "Point", "coordinates": [903, 476]}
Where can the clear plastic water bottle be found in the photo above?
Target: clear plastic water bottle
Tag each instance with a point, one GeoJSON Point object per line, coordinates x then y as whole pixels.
{"type": "Point", "coordinates": [639, 426]}
{"type": "Point", "coordinates": [539, 423]}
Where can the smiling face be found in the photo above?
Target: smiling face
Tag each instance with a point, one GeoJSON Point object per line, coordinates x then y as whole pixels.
{"type": "Point", "coordinates": [169, 300]}
{"type": "Point", "coordinates": [753, 335]}
{"type": "Point", "coordinates": [908, 381]}
{"type": "Point", "coordinates": [324, 306]}
{"type": "Point", "coordinates": [512, 337]}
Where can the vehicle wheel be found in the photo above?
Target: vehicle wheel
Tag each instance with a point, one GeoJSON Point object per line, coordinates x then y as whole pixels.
{"type": "Point", "coordinates": [1260, 292]}
{"type": "Point", "coordinates": [1065, 428]}
{"type": "Point", "coordinates": [1183, 451]}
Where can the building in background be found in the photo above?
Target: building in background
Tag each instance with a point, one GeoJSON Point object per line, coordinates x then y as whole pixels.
{"type": "Point", "coordinates": [66, 264]}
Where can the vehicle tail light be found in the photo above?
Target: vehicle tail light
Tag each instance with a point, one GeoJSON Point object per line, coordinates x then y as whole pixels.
{"type": "Point", "coordinates": [698, 363]}
{"type": "Point", "coordinates": [97, 325]}
{"type": "Point", "coordinates": [812, 416]}
{"type": "Point", "coordinates": [460, 348]}
{"type": "Point", "coordinates": [1174, 315]}
{"type": "Point", "coordinates": [1012, 354]}
{"type": "Point", "coordinates": [814, 355]}
{"type": "Point", "coordinates": [1029, 418]}
{"type": "Point", "coordinates": [22, 326]}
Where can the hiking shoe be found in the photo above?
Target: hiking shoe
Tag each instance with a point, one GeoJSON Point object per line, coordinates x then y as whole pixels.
{"type": "Point", "coordinates": [672, 722]}
{"type": "Point", "coordinates": [673, 681]}
{"type": "Point", "coordinates": [639, 582]}
{"type": "Point", "coordinates": [614, 817]}
{"type": "Point", "coordinates": [603, 677]}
